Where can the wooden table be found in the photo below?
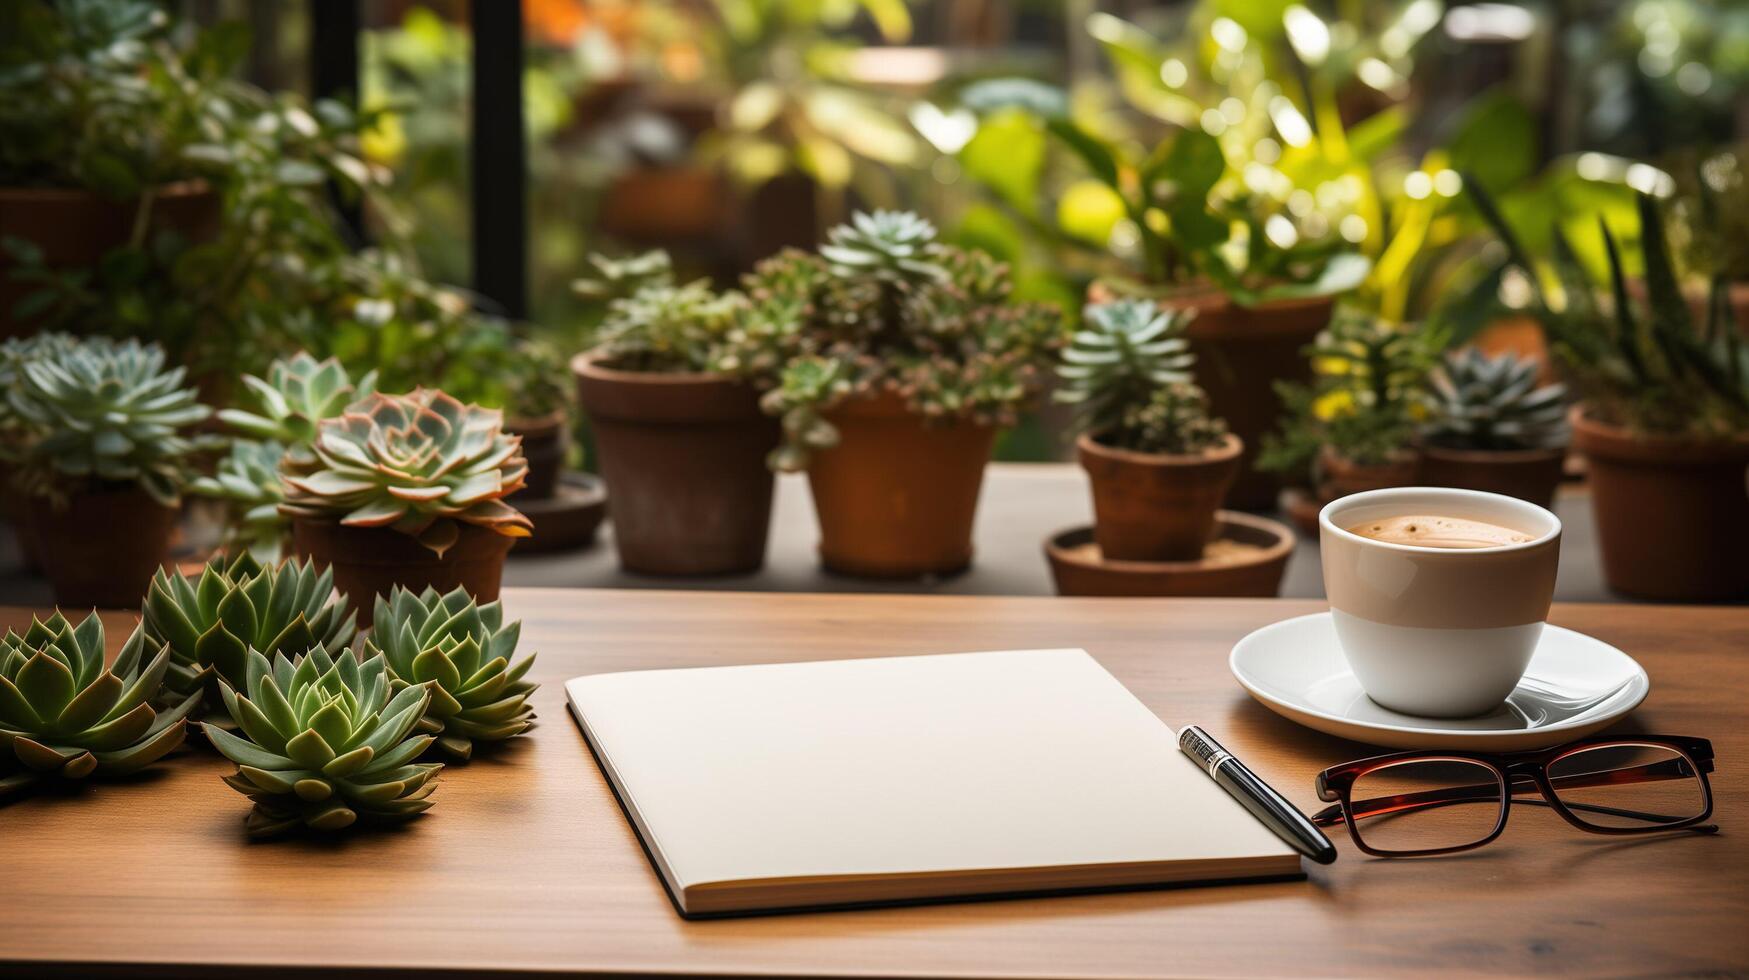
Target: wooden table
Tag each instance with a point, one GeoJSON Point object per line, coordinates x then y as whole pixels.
{"type": "Point", "coordinates": [526, 866]}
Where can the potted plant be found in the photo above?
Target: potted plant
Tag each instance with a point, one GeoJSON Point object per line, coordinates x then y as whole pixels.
{"type": "Point", "coordinates": [147, 191]}
{"type": "Point", "coordinates": [1662, 418]}
{"type": "Point", "coordinates": [279, 421]}
{"type": "Point", "coordinates": [1492, 425]}
{"type": "Point", "coordinates": [1711, 229]}
{"type": "Point", "coordinates": [96, 431]}
{"type": "Point", "coordinates": [899, 359]}
{"type": "Point", "coordinates": [1260, 294]}
{"type": "Point", "coordinates": [1158, 462]}
{"type": "Point", "coordinates": [408, 490]}
{"type": "Point", "coordinates": [1353, 428]}
{"type": "Point", "coordinates": [679, 434]}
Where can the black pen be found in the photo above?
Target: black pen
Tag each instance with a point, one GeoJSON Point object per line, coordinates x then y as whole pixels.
{"type": "Point", "coordinates": [1264, 803]}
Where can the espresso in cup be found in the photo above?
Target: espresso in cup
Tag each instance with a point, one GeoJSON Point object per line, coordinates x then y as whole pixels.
{"type": "Point", "coordinates": [1438, 595]}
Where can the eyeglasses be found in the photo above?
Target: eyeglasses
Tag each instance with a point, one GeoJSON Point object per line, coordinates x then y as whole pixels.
{"type": "Point", "coordinates": [1412, 804]}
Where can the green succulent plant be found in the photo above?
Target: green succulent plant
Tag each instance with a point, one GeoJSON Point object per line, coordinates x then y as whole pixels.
{"type": "Point", "coordinates": [101, 411]}
{"type": "Point", "coordinates": [667, 328]}
{"type": "Point", "coordinates": [462, 650]}
{"type": "Point", "coordinates": [1125, 351]}
{"type": "Point", "coordinates": [323, 743]}
{"type": "Point", "coordinates": [1481, 402]}
{"type": "Point", "coordinates": [63, 714]}
{"type": "Point", "coordinates": [210, 623]}
{"type": "Point", "coordinates": [610, 277]}
{"type": "Point", "coordinates": [246, 479]}
{"type": "Point", "coordinates": [887, 246]}
{"type": "Point", "coordinates": [884, 307]}
{"type": "Point", "coordinates": [421, 463]}
{"type": "Point", "coordinates": [298, 392]}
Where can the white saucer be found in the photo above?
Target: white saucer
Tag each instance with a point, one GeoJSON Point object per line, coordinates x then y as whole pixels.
{"type": "Point", "coordinates": [1575, 685]}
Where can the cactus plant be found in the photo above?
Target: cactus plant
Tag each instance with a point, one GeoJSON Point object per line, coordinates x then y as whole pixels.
{"type": "Point", "coordinates": [323, 743]}
{"type": "Point", "coordinates": [1494, 403]}
{"type": "Point", "coordinates": [1118, 368]}
{"type": "Point", "coordinates": [462, 650]}
{"type": "Point", "coordinates": [418, 463]}
{"type": "Point", "coordinates": [63, 714]}
{"type": "Point", "coordinates": [100, 411]}
{"type": "Point", "coordinates": [236, 605]}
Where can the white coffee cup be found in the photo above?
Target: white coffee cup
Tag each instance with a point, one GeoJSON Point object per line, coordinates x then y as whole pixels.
{"type": "Point", "coordinates": [1438, 632]}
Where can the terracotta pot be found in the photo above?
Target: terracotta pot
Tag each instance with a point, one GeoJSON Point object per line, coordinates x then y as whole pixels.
{"type": "Point", "coordinates": [1154, 506]}
{"type": "Point", "coordinates": [1252, 564]}
{"type": "Point", "coordinates": [896, 497]}
{"type": "Point", "coordinates": [664, 205]}
{"type": "Point", "coordinates": [101, 549]}
{"type": "Point", "coordinates": [1241, 352]}
{"type": "Point", "coordinates": [544, 441]}
{"type": "Point", "coordinates": [684, 459]}
{"type": "Point", "coordinates": [370, 561]}
{"type": "Point", "coordinates": [1528, 474]}
{"type": "Point", "coordinates": [1672, 513]}
{"type": "Point", "coordinates": [75, 228]}
{"type": "Point", "coordinates": [1341, 477]}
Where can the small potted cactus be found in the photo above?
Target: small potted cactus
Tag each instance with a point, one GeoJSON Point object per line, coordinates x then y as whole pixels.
{"type": "Point", "coordinates": [1353, 428]}
{"type": "Point", "coordinates": [679, 436]}
{"type": "Point", "coordinates": [898, 358]}
{"type": "Point", "coordinates": [408, 490]}
{"type": "Point", "coordinates": [279, 422]}
{"type": "Point", "coordinates": [64, 715]}
{"type": "Point", "coordinates": [98, 434]}
{"type": "Point", "coordinates": [462, 651]}
{"type": "Point", "coordinates": [1493, 426]}
{"type": "Point", "coordinates": [322, 744]}
{"type": "Point", "coordinates": [1158, 463]}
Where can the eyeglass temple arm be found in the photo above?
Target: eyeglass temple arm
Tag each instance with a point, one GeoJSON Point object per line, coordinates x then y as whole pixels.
{"type": "Point", "coordinates": [1669, 769]}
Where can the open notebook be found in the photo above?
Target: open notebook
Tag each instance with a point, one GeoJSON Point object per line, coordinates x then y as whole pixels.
{"type": "Point", "coordinates": [900, 779]}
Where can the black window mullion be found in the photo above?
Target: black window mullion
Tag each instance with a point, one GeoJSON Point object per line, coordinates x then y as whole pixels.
{"type": "Point", "coordinates": [499, 157]}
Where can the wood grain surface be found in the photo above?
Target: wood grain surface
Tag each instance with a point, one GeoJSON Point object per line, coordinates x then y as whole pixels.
{"type": "Point", "coordinates": [526, 865]}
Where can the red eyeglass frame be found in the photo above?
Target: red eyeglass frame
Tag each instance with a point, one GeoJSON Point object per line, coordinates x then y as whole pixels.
{"type": "Point", "coordinates": [1511, 771]}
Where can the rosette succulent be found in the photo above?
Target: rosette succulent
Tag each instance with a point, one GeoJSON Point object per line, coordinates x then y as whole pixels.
{"type": "Point", "coordinates": [298, 392]}
{"type": "Point", "coordinates": [246, 478]}
{"type": "Point", "coordinates": [102, 411]}
{"type": "Point", "coordinates": [63, 714]}
{"type": "Point", "coordinates": [1125, 351]}
{"type": "Point", "coordinates": [323, 743]}
{"type": "Point", "coordinates": [462, 651]}
{"type": "Point", "coordinates": [422, 463]}
{"type": "Point", "coordinates": [1494, 403]}
{"type": "Point", "coordinates": [889, 246]}
{"type": "Point", "coordinates": [210, 623]}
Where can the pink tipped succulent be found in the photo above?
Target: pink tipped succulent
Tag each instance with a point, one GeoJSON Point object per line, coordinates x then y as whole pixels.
{"type": "Point", "coordinates": [419, 463]}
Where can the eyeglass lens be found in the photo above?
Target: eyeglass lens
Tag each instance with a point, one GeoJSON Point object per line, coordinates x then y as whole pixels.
{"type": "Point", "coordinates": [1426, 804]}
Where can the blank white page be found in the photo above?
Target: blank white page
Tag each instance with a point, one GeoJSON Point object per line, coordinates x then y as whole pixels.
{"type": "Point", "coordinates": [904, 765]}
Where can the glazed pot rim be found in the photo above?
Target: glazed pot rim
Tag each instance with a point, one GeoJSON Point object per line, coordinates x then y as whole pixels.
{"type": "Point", "coordinates": [1230, 447]}
{"type": "Point", "coordinates": [186, 187]}
{"type": "Point", "coordinates": [1285, 541]}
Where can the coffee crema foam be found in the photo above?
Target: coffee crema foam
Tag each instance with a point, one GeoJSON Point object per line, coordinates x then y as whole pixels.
{"type": "Point", "coordinates": [1433, 531]}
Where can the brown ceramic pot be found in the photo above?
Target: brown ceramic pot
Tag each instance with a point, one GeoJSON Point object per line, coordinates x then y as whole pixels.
{"type": "Point", "coordinates": [1528, 474]}
{"type": "Point", "coordinates": [1672, 514]}
{"type": "Point", "coordinates": [101, 549]}
{"type": "Point", "coordinates": [544, 441]}
{"type": "Point", "coordinates": [664, 204]}
{"type": "Point", "coordinates": [76, 228]}
{"type": "Point", "coordinates": [370, 561]}
{"type": "Point", "coordinates": [896, 497]}
{"type": "Point", "coordinates": [684, 460]}
{"type": "Point", "coordinates": [1253, 566]}
{"type": "Point", "coordinates": [1340, 477]}
{"type": "Point", "coordinates": [1241, 352]}
{"type": "Point", "coordinates": [1155, 506]}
